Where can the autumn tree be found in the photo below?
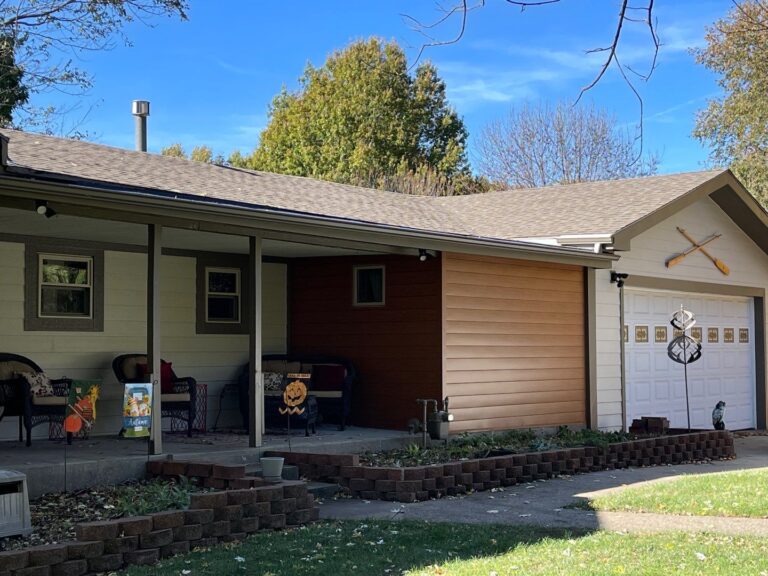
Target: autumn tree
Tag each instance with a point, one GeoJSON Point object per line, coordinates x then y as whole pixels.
{"type": "Point", "coordinates": [736, 124]}
{"type": "Point", "coordinates": [199, 154]}
{"type": "Point", "coordinates": [361, 115]}
{"type": "Point", "coordinates": [41, 39]}
{"type": "Point", "coordinates": [540, 145]}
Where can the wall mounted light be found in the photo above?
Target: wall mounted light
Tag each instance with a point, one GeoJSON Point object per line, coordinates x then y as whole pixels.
{"type": "Point", "coordinates": [42, 208]}
{"type": "Point", "coordinates": [618, 279]}
{"type": "Point", "coordinates": [425, 255]}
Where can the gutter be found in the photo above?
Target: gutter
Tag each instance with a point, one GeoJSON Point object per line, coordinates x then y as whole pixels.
{"type": "Point", "coordinates": [259, 217]}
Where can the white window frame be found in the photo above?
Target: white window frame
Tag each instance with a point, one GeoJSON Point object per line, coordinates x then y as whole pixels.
{"type": "Point", "coordinates": [238, 293]}
{"type": "Point", "coordinates": [40, 284]}
{"type": "Point", "coordinates": [355, 271]}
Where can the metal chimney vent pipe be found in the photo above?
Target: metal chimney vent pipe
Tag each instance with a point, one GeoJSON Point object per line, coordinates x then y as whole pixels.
{"type": "Point", "coordinates": [140, 111]}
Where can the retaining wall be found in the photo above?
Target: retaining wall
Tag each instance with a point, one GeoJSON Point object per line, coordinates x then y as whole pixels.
{"type": "Point", "coordinates": [212, 518]}
{"type": "Point", "coordinates": [434, 481]}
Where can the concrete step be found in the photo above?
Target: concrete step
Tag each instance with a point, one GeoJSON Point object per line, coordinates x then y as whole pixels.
{"type": "Point", "coordinates": [289, 472]}
{"type": "Point", "coordinates": [323, 489]}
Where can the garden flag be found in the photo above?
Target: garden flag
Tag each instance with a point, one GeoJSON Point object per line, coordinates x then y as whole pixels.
{"type": "Point", "coordinates": [81, 405]}
{"type": "Point", "coordinates": [137, 409]}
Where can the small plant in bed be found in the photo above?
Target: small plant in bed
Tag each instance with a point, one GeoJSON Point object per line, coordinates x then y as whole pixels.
{"type": "Point", "coordinates": [482, 445]}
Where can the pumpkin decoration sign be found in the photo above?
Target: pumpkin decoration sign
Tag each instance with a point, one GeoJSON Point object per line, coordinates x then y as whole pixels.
{"type": "Point", "coordinates": [295, 394]}
{"type": "Point", "coordinates": [81, 405]}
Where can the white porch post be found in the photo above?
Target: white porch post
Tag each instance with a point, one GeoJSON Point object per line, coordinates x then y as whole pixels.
{"type": "Point", "coordinates": [154, 247]}
{"type": "Point", "coordinates": [255, 384]}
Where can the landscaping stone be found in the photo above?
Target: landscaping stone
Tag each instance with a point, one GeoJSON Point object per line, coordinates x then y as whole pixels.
{"type": "Point", "coordinates": [13, 560]}
{"type": "Point", "coordinates": [156, 539]}
{"type": "Point", "coordinates": [166, 520]}
{"type": "Point", "coordinates": [84, 550]}
{"type": "Point", "coordinates": [187, 532]}
{"type": "Point", "coordinates": [227, 472]}
{"type": "Point", "coordinates": [142, 557]}
{"type": "Point", "coordinates": [274, 521]}
{"type": "Point", "coordinates": [258, 509]}
{"type": "Point", "coordinates": [174, 468]}
{"type": "Point", "coordinates": [91, 531]}
{"type": "Point", "coordinates": [249, 525]}
{"type": "Point", "coordinates": [174, 549]}
{"type": "Point", "coordinates": [205, 543]}
{"type": "Point", "coordinates": [70, 568]}
{"type": "Point", "coordinates": [121, 545]}
{"type": "Point", "coordinates": [207, 500]}
{"type": "Point", "coordinates": [268, 493]}
{"type": "Point", "coordinates": [284, 506]}
{"type": "Point", "coordinates": [233, 537]}
{"type": "Point", "coordinates": [199, 470]}
{"type": "Point", "coordinates": [47, 555]}
{"type": "Point", "coordinates": [105, 563]}
{"type": "Point", "coordinates": [202, 516]}
{"type": "Point", "coordinates": [241, 496]}
{"type": "Point", "coordinates": [135, 526]}
{"type": "Point", "coordinates": [34, 571]}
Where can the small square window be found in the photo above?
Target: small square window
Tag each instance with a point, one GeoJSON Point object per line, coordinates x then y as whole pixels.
{"type": "Point", "coordinates": [222, 295]}
{"type": "Point", "coordinates": [66, 286]}
{"type": "Point", "coordinates": [369, 285]}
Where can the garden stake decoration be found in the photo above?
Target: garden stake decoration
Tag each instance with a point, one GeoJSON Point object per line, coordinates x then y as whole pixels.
{"type": "Point", "coordinates": [294, 395]}
{"type": "Point", "coordinates": [684, 349]}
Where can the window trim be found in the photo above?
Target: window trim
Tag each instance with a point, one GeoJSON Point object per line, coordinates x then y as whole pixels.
{"type": "Point", "coordinates": [238, 293]}
{"type": "Point", "coordinates": [41, 256]}
{"type": "Point", "coordinates": [72, 250]}
{"type": "Point", "coordinates": [211, 260]}
{"type": "Point", "coordinates": [355, 270]}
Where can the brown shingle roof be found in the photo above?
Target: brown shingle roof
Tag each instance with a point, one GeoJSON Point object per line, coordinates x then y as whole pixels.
{"type": "Point", "coordinates": [586, 208]}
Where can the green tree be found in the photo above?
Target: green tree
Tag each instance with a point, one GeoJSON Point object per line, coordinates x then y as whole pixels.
{"type": "Point", "coordinates": [199, 154]}
{"type": "Point", "coordinates": [736, 125]}
{"type": "Point", "coordinates": [43, 37]}
{"type": "Point", "coordinates": [359, 114]}
{"type": "Point", "coordinates": [13, 92]}
{"type": "Point", "coordinates": [175, 150]}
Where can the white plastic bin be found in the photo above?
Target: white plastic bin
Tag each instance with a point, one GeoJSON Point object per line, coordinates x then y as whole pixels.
{"type": "Point", "coordinates": [14, 504]}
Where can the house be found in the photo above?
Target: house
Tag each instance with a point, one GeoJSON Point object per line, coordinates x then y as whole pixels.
{"type": "Point", "coordinates": [503, 302]}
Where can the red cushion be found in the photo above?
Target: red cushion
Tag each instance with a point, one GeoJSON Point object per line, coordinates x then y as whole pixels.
{"type": "Point", "coordinates": [166, 375]}
{"type": "Point", "coordinates": [328, 377]}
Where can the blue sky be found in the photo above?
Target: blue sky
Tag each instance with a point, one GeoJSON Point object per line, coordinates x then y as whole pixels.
{"type": "Point", "coordinates": [210, 79]}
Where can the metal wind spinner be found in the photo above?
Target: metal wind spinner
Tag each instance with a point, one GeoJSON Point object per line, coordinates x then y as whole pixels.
{"type": "Point", "coordinates": [684, 349]}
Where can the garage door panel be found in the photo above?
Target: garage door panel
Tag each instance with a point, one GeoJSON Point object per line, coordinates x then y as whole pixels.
{"type": "Point", "coordinates": [656, 385]}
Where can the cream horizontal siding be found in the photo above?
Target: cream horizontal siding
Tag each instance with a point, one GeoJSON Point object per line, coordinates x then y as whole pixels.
{"type": "Point", "coordinates": [213, 359]}
{"type": "Point", "coordinates": [513, 342]}
{"type": "Point", "coordinates": [608, 352]}
{"type": "Point", "coordinates": [646, 257]}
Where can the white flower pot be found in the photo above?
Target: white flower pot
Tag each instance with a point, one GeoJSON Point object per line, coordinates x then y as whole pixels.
{"type": "Point", "coordinates": [272, 468]}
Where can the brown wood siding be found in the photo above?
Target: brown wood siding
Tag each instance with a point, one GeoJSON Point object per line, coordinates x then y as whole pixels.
{"type": "Point", "coordinates": [395, 348]}
{"type": "Point", "coordinates": [513, 343]}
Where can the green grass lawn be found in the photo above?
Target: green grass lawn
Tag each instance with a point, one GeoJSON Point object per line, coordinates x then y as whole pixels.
{"type": "Point", "coordinates": [740, 493]}
{"type": "Point", "coordinates": [389, 548]}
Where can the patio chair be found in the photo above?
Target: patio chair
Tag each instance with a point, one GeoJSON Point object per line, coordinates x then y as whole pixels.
{"type": "Point", "coordinates": [17, 399]}
{"type": "Point", "coordinates": [178, 395]}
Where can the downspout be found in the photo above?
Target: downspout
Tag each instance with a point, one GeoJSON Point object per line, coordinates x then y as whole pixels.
{"type": "Point", "coordinates": [622, 361]}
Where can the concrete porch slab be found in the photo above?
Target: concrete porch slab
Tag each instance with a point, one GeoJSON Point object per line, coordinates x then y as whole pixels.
{"type": "Point", "coordinates": [52, 466]}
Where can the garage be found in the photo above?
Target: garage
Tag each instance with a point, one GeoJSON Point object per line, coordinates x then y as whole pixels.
{"type": "Point", "coordinates": [655, 385]}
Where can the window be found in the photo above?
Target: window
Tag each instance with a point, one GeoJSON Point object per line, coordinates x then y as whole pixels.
{"type": "Point", "coordinates": [63, 286]}
{"type": "Point", "coordinates": [66, 287]}
{"type": "Point", "coordinates": [222, 295]}
{"type": "Point", "coordinates": [221, 300]}
{"type": "Point", "coordinates": [369, 285]}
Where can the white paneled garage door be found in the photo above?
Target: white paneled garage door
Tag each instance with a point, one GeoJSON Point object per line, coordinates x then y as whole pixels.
{"type": "Point", "coordinates": [656, 385]}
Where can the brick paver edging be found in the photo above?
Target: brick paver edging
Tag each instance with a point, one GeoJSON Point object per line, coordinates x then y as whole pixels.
{"type": "Point", "coordinates": [433, 481]}
{"type": "Point", "coordinates": [212, 518]}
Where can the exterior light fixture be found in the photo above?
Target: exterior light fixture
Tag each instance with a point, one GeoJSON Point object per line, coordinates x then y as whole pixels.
{"type": "Point", "coordinates": [42, 208]}
{"type": "Point", "coordinates": [425, 254]}
{"type": "Point", "coordinates": [618, 279]}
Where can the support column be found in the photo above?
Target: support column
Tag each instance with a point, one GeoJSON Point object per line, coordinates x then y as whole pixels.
{"type": "Point", "coordinates": [154, 247]}
{"type": "Point", "coordinates": [255, 382]}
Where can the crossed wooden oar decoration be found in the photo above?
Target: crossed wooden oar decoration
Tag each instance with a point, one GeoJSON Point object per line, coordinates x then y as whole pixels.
{"type": "Point", "coordinates": [698, 246]}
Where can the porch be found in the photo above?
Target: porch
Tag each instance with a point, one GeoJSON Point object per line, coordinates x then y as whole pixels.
{"type": "Point", "coordinates": [52, 466]}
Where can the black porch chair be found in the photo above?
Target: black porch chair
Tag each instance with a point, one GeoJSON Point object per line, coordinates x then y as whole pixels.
{"type": "Point", "coordinates": [16, 398]}
{"type": "Point", "coordinates": [179, 404]}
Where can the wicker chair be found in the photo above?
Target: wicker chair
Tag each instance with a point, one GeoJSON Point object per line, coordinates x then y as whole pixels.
{"type": "Point", "coordinates": [17, 399]}
{"type": "Point", "coordinates": [180, 404]}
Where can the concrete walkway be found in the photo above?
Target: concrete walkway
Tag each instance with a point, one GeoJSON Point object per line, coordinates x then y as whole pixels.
{"type": "Point", "coordinates": [544, 503]}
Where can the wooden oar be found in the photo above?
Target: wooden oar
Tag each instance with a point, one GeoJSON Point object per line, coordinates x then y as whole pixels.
{"type": "Point", "coordinates": [717, 262]}
{"type": "Point", "coordinates": [679, 258]}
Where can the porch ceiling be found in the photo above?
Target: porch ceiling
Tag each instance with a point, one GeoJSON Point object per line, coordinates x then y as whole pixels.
{"type": "Point", "coordinates": [26, 223]}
